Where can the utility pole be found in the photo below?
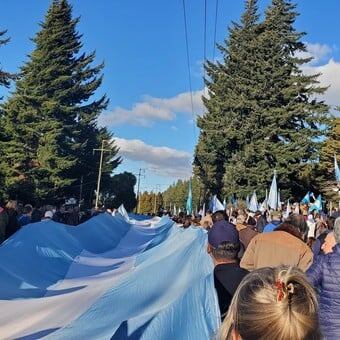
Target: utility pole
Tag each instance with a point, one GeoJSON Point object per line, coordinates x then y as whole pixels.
{"type": "Point", "coordinates": [138, 187]}
{"type": "Point", "coordinates": [100, 169]}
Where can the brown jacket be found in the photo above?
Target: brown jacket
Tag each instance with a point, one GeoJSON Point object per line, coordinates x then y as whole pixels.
{"type": "Point", "coordinates": [246, 235]}
{"type": "Point", "coordinates": [276, 248]}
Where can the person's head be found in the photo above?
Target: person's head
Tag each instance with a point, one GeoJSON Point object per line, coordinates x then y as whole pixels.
{"type": "Point", "coordinates": [48, 215]}
{"type": "Point", "coordinates": [218, 216]}
{"type": "Point", "coordinates": [257, 215]}
{"type": "Point", "coordinates": [298, 222]}
{"type": "Point", "coordinates": [219, 234]}
{"type": "Point", "coordinates": [11, 205]}
{"type": "Point", "coordinates": [28, 209]}
{"type": "Point", "coordinates": [251, 221]}
{"type": "Point", "coordinates": [330, 222]}
{"type": "Point", "coordinates": [273, 303]}
{"type": "Point", "coordinates": [225, 252]}
{"type": "Point", "coordinates": [329, 243]}
{"type": "Point", "coordinates": [276, 215]}
{"type": "Point", "coordinates": [186, 222]}
{"type": "Point", "coordinates": [289, 228]}
{"type": "Point", "coordinates": [241, 219]}
{"type": "Point", "coordinates": [337, 230]}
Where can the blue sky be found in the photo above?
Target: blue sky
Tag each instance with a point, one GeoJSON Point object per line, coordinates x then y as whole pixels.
{"type": "Point", "coordinates": [146, 75]}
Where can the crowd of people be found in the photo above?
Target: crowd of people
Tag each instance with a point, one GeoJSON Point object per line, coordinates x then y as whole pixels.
{"type": "Point", "coordinates": [276, 277]}
{"type": "Point", "coordinates": [15, 215]}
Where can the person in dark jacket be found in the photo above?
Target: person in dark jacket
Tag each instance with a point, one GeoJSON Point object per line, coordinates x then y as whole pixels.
{"type": "Point", "coordinates": [324, 275]}
{"type": "Point", "coordinates": [13, 224]}
{"type": "Point", "coordinates": [261, 221]}
{"type": "Point", "coordinates": [3, 224]}
{"type": "Point", "coordinates": [223, 246]}
{"type": "Point", "coordinates": [26, 216]}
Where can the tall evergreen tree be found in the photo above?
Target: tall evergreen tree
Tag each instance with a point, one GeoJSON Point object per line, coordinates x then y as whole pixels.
{"type": "Point", "coordinates": [5, 78]}
{"type": "Point", "coordinates": [266, 105]}
{"type": "Point", "coordinates": [228, 103]}
{"type": "Point", "coordinates": [325, 173]}
{"type": "Point", "coordinates": [287, 120]}
{"type": "Point", "coordinates": [50, 121]}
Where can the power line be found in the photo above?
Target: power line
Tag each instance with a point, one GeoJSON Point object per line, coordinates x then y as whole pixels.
{"type": "Point", "coordinates": [188, 64]}
{"type": "Point", "coordinates": [216, 11]}
{"type": "Point", "coordinates": [205, 40]}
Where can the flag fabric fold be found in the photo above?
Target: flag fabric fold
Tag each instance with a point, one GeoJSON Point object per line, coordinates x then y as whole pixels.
{"type": "Point", "coordinates": [107, 278]}
{"type": "Point", "coordinates": [253, 204]}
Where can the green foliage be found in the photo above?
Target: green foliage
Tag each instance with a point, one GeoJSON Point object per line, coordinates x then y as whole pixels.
{"type": "Point", "coordinates": [49, 121]}
{"type": "Point", "coordinates": [262, 112]}
{"type": "Point", "coordinates": [177, 194]}
{"type": "Point", "coordinates": [325, 171]}
{"type": "Point", "coordinates": [122, 190]}
{"type": "Point", "coordinates": [5, 78]}
{"type": "Point", "coordinates": [150, 202]}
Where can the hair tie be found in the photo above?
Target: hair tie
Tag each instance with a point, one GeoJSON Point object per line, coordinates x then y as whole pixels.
{"type": "Point", "coordinates": [290, 288]}
{"type": "Point", "coordinates": [280, 286]}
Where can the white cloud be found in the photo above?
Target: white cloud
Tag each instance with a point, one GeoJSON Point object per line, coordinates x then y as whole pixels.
{"type": "Point", "coordinates": [330, 76]}
{"type": "Point", "coordinates": [152, 109]}
{"type": "Point", "coordinates": [320, 53]}
{"type": "Point", "coordinates": [163, 160]}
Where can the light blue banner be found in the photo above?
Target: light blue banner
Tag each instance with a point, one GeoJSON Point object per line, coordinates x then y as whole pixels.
{"type": "Point", "coordinates": [107, 279]}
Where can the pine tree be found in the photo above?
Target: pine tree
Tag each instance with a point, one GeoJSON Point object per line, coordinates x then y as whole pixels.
{"type": "Point", "coordinates": [5, 79]}
{"type": "Point", "coordinates": [50, 122]}
{"type": "Point", "coordinates": [266, 106]}
{"type": "Point", "coordinates": [287, 119]}
{"type": "Point", "coordinates": [228, 103]}
{"type": "Point", "coordinates": [325, 171]}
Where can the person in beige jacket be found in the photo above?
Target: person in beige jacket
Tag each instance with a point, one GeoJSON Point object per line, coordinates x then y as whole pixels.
{"type": "Point", "coordinates": [283, 246]}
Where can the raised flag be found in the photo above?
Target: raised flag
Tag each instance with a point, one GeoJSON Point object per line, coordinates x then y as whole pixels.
{"type": "Point", "coordinates": [273, 194]}
{"type": "Point", "coordinates": [306, 199]}
{"type": "Point", "coordinates": [217, 205]}
{"type": "Point", "coordinates": [253, 204]}
{"type": "Point", "coordinates": [247, 202]}
{"type": "Point", "coordinates": [336, 169]}
{"type": "Point", "coordinates": [189, 200]}
{"type": "Point", "coordinates": [317, 205]}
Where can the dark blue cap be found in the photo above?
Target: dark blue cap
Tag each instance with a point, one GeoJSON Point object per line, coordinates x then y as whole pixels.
{"type": "Point", "coordinates": [222, 231]}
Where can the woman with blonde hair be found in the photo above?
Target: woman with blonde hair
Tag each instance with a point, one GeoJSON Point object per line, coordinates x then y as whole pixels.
{"type": "Point", "coordinates": [273, 303]}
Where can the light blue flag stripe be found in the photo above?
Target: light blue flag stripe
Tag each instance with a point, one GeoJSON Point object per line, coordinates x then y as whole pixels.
{"type": "Point", "coordinates": [107, 279]}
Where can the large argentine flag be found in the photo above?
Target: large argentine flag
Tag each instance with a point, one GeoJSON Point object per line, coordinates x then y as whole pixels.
{"type": "Point", "coordinates": [108, 278]}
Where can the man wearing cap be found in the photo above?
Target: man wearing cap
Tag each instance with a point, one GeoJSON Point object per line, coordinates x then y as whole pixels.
{"type": "Point", "coordinates": [223, 246]}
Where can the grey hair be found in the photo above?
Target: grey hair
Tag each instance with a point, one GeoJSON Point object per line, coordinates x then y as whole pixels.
{"type": "Point", "coordinates": [336, 230]}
